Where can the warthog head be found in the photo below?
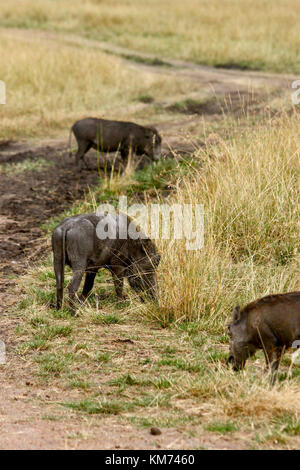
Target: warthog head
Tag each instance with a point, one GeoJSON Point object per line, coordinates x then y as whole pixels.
{"type": "Point", "coordinates": [141, 273]}
{"type": "Point", "coordinates": [240, 348]}
{"type": "Point", "coordinates": [152, 146]}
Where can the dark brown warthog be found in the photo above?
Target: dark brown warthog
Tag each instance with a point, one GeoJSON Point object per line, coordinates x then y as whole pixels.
{"type": "Point", "coordinates": [111, 136]}
{"type": "Point", "coordinates": [77, 242]}
{"type": "Point", "coordinates": [271, 323]}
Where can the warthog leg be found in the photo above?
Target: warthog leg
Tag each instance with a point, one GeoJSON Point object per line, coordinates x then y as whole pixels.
{"type": "Point", "coordinates": [118, 278]}
{"type": "Point", "coordinates": [88, 283]}
{"type": "Point", "coordinates": [73, 288]}
{"type": "Point", "coordinates": [83, 148]}
{"type": "Point", "coordinates": [273, 355]}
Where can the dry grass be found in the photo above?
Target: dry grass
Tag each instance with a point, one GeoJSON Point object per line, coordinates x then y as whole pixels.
{"type": "Point", "coordinates": [243, 33]}
{"type": "Point", "coordinates": [249, 187]}
{"type": "Point", "coordinates": [48, 87]}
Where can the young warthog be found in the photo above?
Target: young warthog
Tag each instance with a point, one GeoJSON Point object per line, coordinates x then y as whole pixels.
{"type": "Point", "coordinates": [271, 323]}
{"type": "Point", "coordinates": [111, 136]}
{"type": "Point", "coordinates": [78, 242]}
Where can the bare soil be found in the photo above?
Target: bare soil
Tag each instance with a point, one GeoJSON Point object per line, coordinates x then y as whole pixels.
{"type": "Point", "coordinates": [27, 199]}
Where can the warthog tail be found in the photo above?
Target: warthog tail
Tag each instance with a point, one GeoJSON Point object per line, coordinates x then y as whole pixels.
{"type": "Point", "coordinates": [59, 258]}
{"type": "Point", "coordinates": [70, 140]}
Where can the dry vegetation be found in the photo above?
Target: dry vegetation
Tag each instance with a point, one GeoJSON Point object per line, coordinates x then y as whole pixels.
{"type": "Point", "coordinates": [165, 365]}
{"type": "Point", "coordinates": [249, 186]}
{"type": "Point", "coordinates": [64, 83]}
{"type": "Point", "coordinates": [253, 34]}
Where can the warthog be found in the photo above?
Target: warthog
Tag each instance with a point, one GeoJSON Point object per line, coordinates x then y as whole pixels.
{"type": "Point", "coordinates": [111, 136]}
{"type": "Point", "coordinates": [76, 242]}
{"type": "Point", "coordinates": [271, 323]}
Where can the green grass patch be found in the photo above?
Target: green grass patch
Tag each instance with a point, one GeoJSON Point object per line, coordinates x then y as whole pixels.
{"type": "Point", "coordinates": [79, 384]}
{"type": "Point", "coordinates": [27, 165]}
{"type": "Point", "coordinates": [35, 344]}
{"type": "Point", "coordinates": [96, 407]}
{"type": "Point", "coordinates": [54, 363]}
{"type": "Point", "coordinates": [126, 379]}
{"type": "Point", "coordinates": [181, 364]}
{"type": "Point", "coordinates": [146, 60]}
{"type": "Point", "coordinates": [51, 332]}
{"type": "Point", "coordinates": [105, 319]}
{"type": "Point", "coordinates": [103, 357]}
{"type": "Point", "coordinates": [222, 427]}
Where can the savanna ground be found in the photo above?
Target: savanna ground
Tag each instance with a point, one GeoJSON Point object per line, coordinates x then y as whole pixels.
{"type": "Point", "coordinates": [231, 142]}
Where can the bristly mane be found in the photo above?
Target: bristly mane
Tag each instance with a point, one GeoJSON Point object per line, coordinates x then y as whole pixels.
{"type": "Point", "coordinates": [272, 299]}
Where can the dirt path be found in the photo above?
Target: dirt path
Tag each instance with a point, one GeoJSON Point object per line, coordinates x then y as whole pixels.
{"type": "Point", "coordinates": [31, 196]}
{"type": "Point", "coordinates": [150, 62]}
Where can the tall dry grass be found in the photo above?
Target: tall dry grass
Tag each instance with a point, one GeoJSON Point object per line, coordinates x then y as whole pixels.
{"type": "Point", "coordinates": [50, 85]}
{"type": "Point", "coordinates": [249, 187]}
{"type": "Point", "coordinates": [244, 33]}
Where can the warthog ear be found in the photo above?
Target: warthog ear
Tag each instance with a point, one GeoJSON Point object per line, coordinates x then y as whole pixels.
{"type": "Point", "coordinates": [152, 133]}
{"type": "Point", "coordinates": [148, 132]}
{"type": "Point", "coordinates": [236, 314]}
{"type": "Point", "coordinates": [146, 244]}
{"type": "Point", "coordinates": [149, 249]}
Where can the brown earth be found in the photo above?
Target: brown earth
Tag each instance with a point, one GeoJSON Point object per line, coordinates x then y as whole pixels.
{"type": "Point", "coordinates": [27, 199]}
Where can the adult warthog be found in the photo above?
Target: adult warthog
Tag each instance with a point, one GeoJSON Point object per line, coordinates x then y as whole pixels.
{"type": "Point", "coordinates": [77, 242]}
{"type": "Point", "coordinates": [111, 136]}
{"type": "Point", "coordinates": [271, 324]}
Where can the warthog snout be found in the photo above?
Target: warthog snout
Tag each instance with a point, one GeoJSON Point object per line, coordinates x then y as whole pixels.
{"type": "Point", "coordinates": [230, 360]}
{"type": "Point", "coordinates": [157, 153]}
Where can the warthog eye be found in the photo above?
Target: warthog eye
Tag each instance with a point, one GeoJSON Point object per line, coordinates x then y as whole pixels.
{"type": "Point", "coordinates": [229, 331]}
